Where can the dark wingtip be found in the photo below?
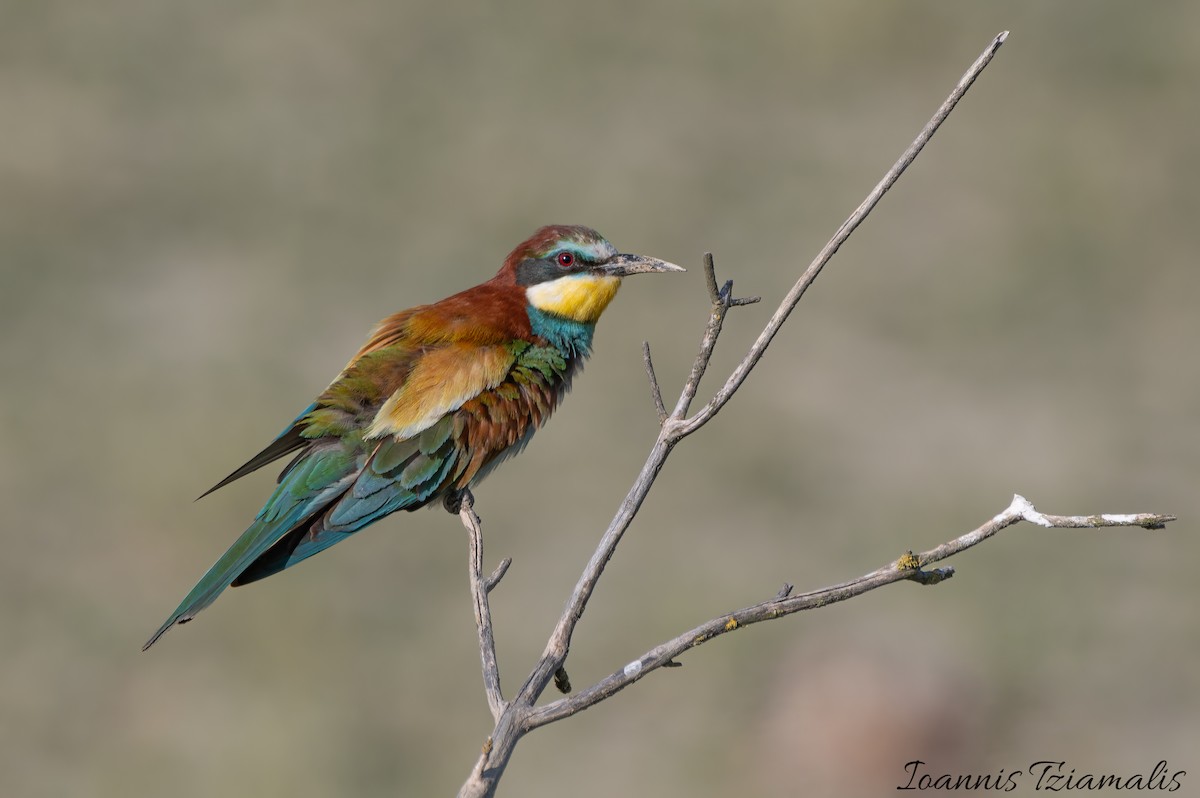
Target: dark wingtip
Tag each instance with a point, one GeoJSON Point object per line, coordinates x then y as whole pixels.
{"type": "Point", "coordinates": [219, 485]}
{"type": "Point", "coordinates": [288, 441]}
{"type": "Point", "coordinates": [154, 637]}
{"type": "Point", "coordinates": [162, 630]}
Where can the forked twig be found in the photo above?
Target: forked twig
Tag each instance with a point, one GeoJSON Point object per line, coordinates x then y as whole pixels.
{"type": "Point", "coordinates": [516, 718]}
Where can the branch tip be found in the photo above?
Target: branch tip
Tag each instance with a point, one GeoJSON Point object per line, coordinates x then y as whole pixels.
{"type": "Point", "coordinates": [655, 390]}
{"type": "Point", "coordinates": [490, 583]}
{"type": "Point", "coordinates": [710, 278]}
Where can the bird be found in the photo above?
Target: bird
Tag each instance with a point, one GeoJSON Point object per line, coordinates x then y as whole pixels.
{"type": "Point", "coordinates": [437, 397]}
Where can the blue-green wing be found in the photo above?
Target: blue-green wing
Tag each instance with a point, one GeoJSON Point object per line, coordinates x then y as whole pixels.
{"type": "Point", "coordinates": [400, 475]}
{"type": "Point", "coordinates": [313, 483]}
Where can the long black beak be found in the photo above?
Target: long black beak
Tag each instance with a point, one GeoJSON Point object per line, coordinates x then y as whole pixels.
{"type": "Point", "coordinates": [622, 265]}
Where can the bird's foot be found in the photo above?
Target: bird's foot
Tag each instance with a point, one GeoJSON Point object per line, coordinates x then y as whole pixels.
{"type": "Point", "coordinates": [452, 501]}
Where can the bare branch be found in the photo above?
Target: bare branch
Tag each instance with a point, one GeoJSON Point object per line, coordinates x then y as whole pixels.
{"type": "Point", "coordinates": [675, 429]}
{"type": "Point", "coordinates": [757, 349]}
{"type": "Point", "coordinates": [1022, 510]}
{"type": "Point", "coordinates": [517, 717]}
{"type": "Point", "coordinates": [908, 567]}
{"type": "Point", "coordinates": [480, 588]}
{"type": "Point", "coordinates": [655, 391]}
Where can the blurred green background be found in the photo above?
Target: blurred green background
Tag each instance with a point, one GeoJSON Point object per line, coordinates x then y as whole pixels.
{"type": "Point", "coordinates": [205, 206]}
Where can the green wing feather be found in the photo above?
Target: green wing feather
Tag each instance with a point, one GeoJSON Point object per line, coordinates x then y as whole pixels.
{"type": "Point", "coordinates": [401, 475]}
{"type": "Point", "coordinates": [316, 480]}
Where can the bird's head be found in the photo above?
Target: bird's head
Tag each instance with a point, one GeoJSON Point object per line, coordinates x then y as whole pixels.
{"type": "Point", "coordinates": [573, 271]}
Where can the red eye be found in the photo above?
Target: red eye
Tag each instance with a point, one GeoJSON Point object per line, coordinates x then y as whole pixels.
{"type": "Point", "coordinates": [565, 259]}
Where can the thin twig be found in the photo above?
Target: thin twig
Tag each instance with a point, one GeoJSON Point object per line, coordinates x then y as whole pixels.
{"type": "Point", "coordinates": [739, 374]}
{"type": "Point", "coordinates": [710, 279]}
{"type": "Point", "coordinates": [721, 300]}
{"type": "Point", "coordinates": [480, 588]}
{"type": "Point", "coordinates": [655, 391]}
{"type": "Point", "coordinates": [497, 575]}
{"type": "Point", "coordinates": [908, 567]}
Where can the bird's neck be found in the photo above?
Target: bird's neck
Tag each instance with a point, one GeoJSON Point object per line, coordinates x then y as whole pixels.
{"type": "Point", "coordinates": [565, 311]}
{"type": "Point", "coordinates": [570, 337]}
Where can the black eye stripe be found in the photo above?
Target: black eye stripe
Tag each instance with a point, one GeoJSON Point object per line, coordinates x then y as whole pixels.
{"type": "Point", "coordinates": [550, 266]}
{"type": "Point", "coordinates": [532, 272]}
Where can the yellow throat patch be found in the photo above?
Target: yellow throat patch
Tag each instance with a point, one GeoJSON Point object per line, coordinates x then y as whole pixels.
{"type": "Point", "coordinates": [579, 297]}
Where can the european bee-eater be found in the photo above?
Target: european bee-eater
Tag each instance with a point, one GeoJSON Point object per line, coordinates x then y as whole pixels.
{"type": "Point", "coordinates": [438, 396]}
